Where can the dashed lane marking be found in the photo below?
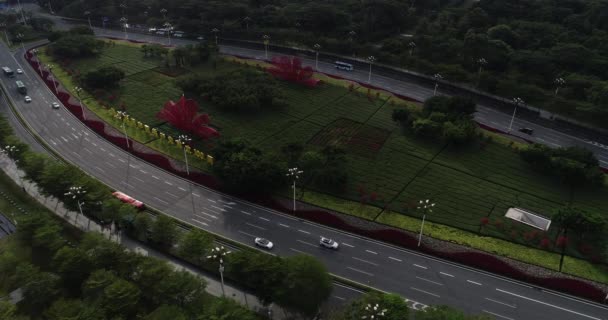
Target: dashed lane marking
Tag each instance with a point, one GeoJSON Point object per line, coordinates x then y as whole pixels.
{"type": "Point", "coordinates": [169, 183]}
{"type": "Point", "coordinates": [547, 304]}
{"type": "Point", "coordinates": [262, 218]}
{"type": "Point", "coordinates": [306, 243]}
{"type": "Point", "coordinates": [497, 315]}
{"type": "Point", "coordinates": [395, 259]}
{"type": "Point", "coordinates": [429, 293]}
{"type": "Point", "coordinates": [474, 282]}
{"type": "Point", "coordinates": [372, 252]}
{"type": "Point", "coordinates": [253, 225]}
{"type": "Point", "coordinates": [209, 215]}
{"type": "Point", "coordinates": [303, 231]}
{"type": "Point", "coordinates": [247, 234]}
{"type": "Point", "coordinates": [245, 212]}
{"type": "Point", "coordinates": [348, 245]}
{"type": "Point", "coordinates": [155, 177]}
{"type": "Point", "coordinates": [200, 222]}
{"type": "Point", "coordinates": [365, 261]}
{"type": "Point", "coordinates": [357, 270]}
{"type": "Point", "coordinates": [502, 303]}
{"type": "Point", "coordinates": [419, 266]}
{"type": "Point", "coordinates": [446, 274]}
{"type": "Point", "coordinates": [429, 281]}
{"type": "Point", "coordinates": [161, 200]}
{"type": "Point", "coordinates": [218, 208]}
{"type": "Point", "coordinates": [171, 194]}
{"type": "Point", "coordinates": [110, 165]}
{"type": "Point", "coordinates": [283, 225]}
{"type": "Point", "coordinates": [180, 188]}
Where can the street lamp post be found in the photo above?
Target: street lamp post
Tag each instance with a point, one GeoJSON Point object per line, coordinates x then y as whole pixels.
{"type": "Point", "coordinates": [78, 90]}
{"type": "Point", "coordinates": [247, 20]}
{"type": "Point", "coordinates": [294, 173]}
{"type": "Point", "coordinates": [20, 37]}
{"type": "Point", "coordinates": [482, 62]}
{"type": "Point", "coordinates": [123, 6]}
{"type": "Point", "coordinates": [559, 82]}
{"type": "Point", "coordinates": [122, 115]}
{"type": "Point", "coordinates": [21, 9]}
{"type": "Point", "coordinates": [412, 45]}
{"type": "Point", "coordinates": [215, 32]}
{"type": "Point", "coordinates": [88, 14]}
{"type": "Point", "coordinates": [317, 47]}
{"type": "Point", "coordinates": [266, 39]}
{"type": "Point", "coordinates": [185, 140]}
{"type": "Point", "coordinates": [163, 11]}
{"type": "Point", "coordinates": [373, 312]}
{"type": "Point", "coordinates": [371, 60]}
{"type": "Point", "coordinates": [426, 207]}
{"type": "Point", "coordinates": [218, 254]}
{"type": "Point", "coordinates": [517, 101]}
{"type": "Point", "coordinates": [124, 25]}
{"type": "Point", "coordinates": [50, 67]}
{"type": "Point", "coordinates": [77, 193]}
{"type": "Point", "coordinates": [3, 26]}
{"type": "Point", "coordinates": [168, 26]}
{"type": "Point", "coordinates": [351, 37]}
{"type": "Point", "coordinates": [437, 77]}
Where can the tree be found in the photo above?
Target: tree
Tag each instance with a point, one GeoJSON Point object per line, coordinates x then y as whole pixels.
{"type": "Point", "coordinates": [446, 313]}
{"type": "Point", "coordinates": [292, 152]}
{"type": "Point", "coordinates": [73, 265]}
{"type": "Point", "coordinates": [106, 254]}
{"type": "Point", "coordinates": [260, 272]}
{"type": "Point", "coordinates": [105, 77]}
{"type": "Point", "coordinates": [164, 231]}
{"type": "Point", "coordinates": [181, 288]}
{"type": "Point", "coordinates": [142, 226]}
{"type": "Point", "coordinates": [56, 178]}
{"type": "Point", "coordinates": [7, 310]}
{"type": "Point", "coordinates": [401, 116]}
{"type": "Point", "coordinates": [33, 164]}
{"type": "Point", "coordinates": [194, 245]}
{"type": "Point", "coordinates": [120, 298]}
{"type": "Point", "coordinates": [227, 309]}
{"type": "Point", "coordinates": [167, 312]}
{"type": "Point", "coordinates": [63, 309]}
{"type": "Point", "coordinates": [459, 132]}
{"type": "Point", "coordinates": [39, 288]}
{"type": "Point", "coordinates": [426, 128]}
{"type": "Point", "coordinates": [75, 46]}
{"type": "Point", "coordinates": [397, 308]}
{"type": "Point", "coordinates": [305, 286]}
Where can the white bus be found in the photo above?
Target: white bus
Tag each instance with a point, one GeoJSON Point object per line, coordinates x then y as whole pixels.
{"type": "Point", "coordinates": [343, 66]}
{"type": "Point", "coordinates": [8, 72]}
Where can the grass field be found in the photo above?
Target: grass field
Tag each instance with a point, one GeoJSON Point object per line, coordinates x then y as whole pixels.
{"type": "Point", "coordinates": [390, 170]}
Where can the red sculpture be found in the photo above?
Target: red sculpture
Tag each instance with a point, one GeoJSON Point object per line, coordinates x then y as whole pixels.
{"type": "Point", "coordinates": [290, 69]}
{"type": "Point", "coordinates": [183, 115]}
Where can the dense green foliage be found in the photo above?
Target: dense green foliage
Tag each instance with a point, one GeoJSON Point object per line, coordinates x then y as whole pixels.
{"type": "Point", "coordinates": [70, 46]}
{"type": "Point", "coordinates": [106, 78]}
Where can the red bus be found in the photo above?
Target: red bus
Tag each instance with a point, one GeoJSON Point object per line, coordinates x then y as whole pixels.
{"type": "Point", "coordinates": [127, 199]}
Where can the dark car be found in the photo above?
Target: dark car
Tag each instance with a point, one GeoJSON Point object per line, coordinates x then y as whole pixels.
{"type": "Point", "coordinates": [526, 130]}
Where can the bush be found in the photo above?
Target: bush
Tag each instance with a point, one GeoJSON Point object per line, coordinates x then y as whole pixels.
{"type": "Point", "coordinates": [75, 46]}
{"type": "Point", "coordinates": [105, 78]}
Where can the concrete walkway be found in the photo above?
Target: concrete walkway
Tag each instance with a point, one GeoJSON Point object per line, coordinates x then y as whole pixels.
{"type": "Point", "coordinates": [74, 218]}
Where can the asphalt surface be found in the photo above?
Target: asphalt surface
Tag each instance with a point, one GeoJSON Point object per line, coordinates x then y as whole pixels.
{"type": "Point", "coordinates": [417, 277]}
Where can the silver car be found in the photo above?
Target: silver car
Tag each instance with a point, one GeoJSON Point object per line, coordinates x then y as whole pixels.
{"type": "Point", "coordinates": [328, 243]}
{"type": "Point", "coordinates": [261, 242]}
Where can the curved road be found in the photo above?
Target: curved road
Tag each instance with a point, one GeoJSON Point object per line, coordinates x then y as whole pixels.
{"type": "Point", "coordinates": [412, 275]}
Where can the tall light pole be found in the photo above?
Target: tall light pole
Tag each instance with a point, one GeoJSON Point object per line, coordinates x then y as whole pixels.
{"type": "Point", "coordinates": [426, 207]}
{"type": "Point", "coordinates": [481, 62]}
{"type": "Point", "coordinates": [215, 32]}
{"type": "Point", "coordinates": [124, 25]}
{"type": "Point", "coordinates": [78, 90]}
{"type": "Point", "coordinates": [123, 6]}
{"type": "Point", "coordinates": [266, 39]}
{"type": "Point", "coordinates": [218, 254]}
{"type": "Point", "coordinates": [35, 52]}
{"type": "Point", "coordinates": [77, 193]}
{"type": "Point", "coordinates": [559, 82]}
{"type": "Point", "coordinates": [317, 47]}
{"type": "Point", "coordinates": [412, 46]}
{"type": "Point", "coordinates": [373, 312]}
{"type": "Point", "coordinates": [168, 26]}
{"type": "Point", "coordinates": [517, 101]}
{"type": "Point", "coordinates": [371, 60]}
{"type": "Point", "coordinates": [294, 174]}
{"type": "Point", "coordinates": [163, 11]}
{"type": "Point", "coordinates": [3, 26]}
{"type": "Point", "coordinates": [247, 20]}
{"type": "Point", "coordinates": [88, 14]}
{"type": "Point", "coordinates": [50, 67]}
{"type": "Point", "coordinates": [437, 77]}
{"type": "Point", "coordinates": [20, 37]}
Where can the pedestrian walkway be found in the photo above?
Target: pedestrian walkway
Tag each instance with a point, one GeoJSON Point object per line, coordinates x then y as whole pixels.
{"type": "Point", "coordinates": [85, 224]}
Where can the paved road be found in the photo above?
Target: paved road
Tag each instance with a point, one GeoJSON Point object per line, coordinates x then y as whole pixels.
{"type": "Point", "coordinates": [414, 276]}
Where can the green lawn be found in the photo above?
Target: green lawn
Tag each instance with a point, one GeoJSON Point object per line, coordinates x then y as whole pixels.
{"type": "Point", "coordinates": [391, 169]}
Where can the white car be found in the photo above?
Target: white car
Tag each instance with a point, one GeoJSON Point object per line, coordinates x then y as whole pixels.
{"type": "Point", "coordinates": [28, 99]}
{"type": "Point", "coordinates": [19, 71]}
{"type": "Point", "coordinates": [328, 243]}
{"type": "Point", "coordinates": [261, 242]}
{"type": "Point", "coordinates": [152, 30]}
{"type": "Point", "coordinates": [55, 105]}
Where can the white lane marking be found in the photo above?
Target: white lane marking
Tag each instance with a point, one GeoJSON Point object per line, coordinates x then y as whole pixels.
{"type": "Point", "coordinates": [446, 274]}
{"type": "Point", "coordinates": [547, 304]}
{"type": "Point", "coordinates": [98, 168]}
{"type": "Point", "coordinates": [155, 177]}
{"type": "Point", "coordinates": [218, 208]}
{"type": "Point", "coordinates": [180, 188]}
{"type": "Point", "coordinates": [121, 160]}
{"type": "Point", "coordinates": [299, 251]}
{"type": "Point", "coordinates": [64, 139]}
{"type": "Point", "coordinates": [346, 287]}
{"type": "Point", "coordinates": [138, 179]}
{"type": "Point", "coordinates": [303, 231]}
{"type": "Point", "coordinates": [94, 144]}
{"type": "Point", "coordinates": [53, 142]}
{"type": "Point", "coordinates": [398, 260]}
{"type": "Point", "coordinates": [102, 149]}
{"type": "Point", "coordinates": [133, 166]}
{"type": "Point", "coordinates": [283, 225]}
{"type": "Point", "coordinates": [196, 195]}
{"type": "Point", "coordinates": [76, 154]}
{"type": "Point", "coordinates": [365, 261]}
{"type": "Point", "coordinates": [473, 282]}
{"type": "Point", "coordinates": [261, 218]}
{"type": "Point", "coordinates": [503, 303]}
{"type": "Point", "coordinates": [142, 171]}
{"type": "Point", "coordinates": [348, 245]}
{"type": "Point", "coordinates": [366, 273]}
{"type": "Point", "coordinates": [210, 200]}
{"type": "Point", "coordinates": [206, 219]}
{"type": "Point", "coordinates": [339, 298]}
{"type": "Point", "coordinates": [75, 136]}
{"type": "Point", "coordinates": [160, 200]}
{"type": "Point", "coordinates": [430, 281]}
{"type": "Point", "coordinates": [247, 234]}
{"type": "Point", "coordinates": [171, 194]}
{"type": "Point", "coordinates": [429, 293]}
{"type": "Point", "coordinates": [372, 252]}
{"type": "Point", "coordinates": [111, 165]}
{"type": "Point", "coordinates": [87, 150]}
{"type": "Point", "coordinates": [497, 315]}
{"type": "Point", "coordinates": [210, 215]}
{"type": "Point", "coordinates": [253, 225]}
{"type": "Point", "coordinates": [206, 225]}
{"type": "Point", "coordinates": [169, 183]}
{"type": "Point", "coordinates": [245, 212]}
{"type": "Point", "coordinates": [306, 243]}
{"type": "Point", "coordinates": [419, 266]}
{"type": "Point", "coordinates": [111, 155]}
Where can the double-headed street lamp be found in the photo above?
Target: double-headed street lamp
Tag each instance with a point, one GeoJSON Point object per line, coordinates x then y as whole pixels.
{"type": "Point", "coordinates": [427, 207]}
{"type": "Point", "coordinates": [77, 193]}
{"type": "Point", "coordinates": [185, 141]}
{"type": "Point", "coordinates": [437, 77]}
{"type": "Point", "coordinates": [517, 101]}
{"type": "Point", "coordinates": [559, 82]}
{"type": "Point", "coordinates": [317, 47]}
{"type": "Point", "coordinates": [266, 39]}
{"type": "Point", "coordinates": [50, 67]}
{"type": "Point", "coordinates": [218, 254]}
{"type": "Point", "coordinates": [88, 14]}
{"type": "Point", "coordinates": [168, 26]}
{"type": "Point", "coordinates": [78, 90]}
{"type": "Point", "coordinates": [412, 46]}
{"type": "Point", "coordinates": [294, 174]}
{"type": "Point", "coordinates": [373, 312]}
{"type": "Point", "coordinates": [215, 32]}
{"type": "Point", "coordinates": [371, 60]}
{"type": "Point", "coordinates": [123, 6]}
{"type": "Point", "coordinates": [124, 25]}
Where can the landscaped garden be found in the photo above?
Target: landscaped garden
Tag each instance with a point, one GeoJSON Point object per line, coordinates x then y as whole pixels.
{"type": "Point", "coordinates": [384, 170]}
